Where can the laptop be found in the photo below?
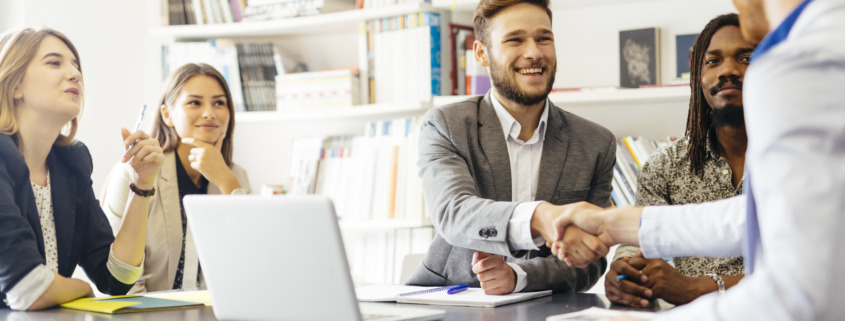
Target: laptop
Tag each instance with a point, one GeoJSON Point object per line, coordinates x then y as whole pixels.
{"type": "Point", "coordinates": [280, 258]}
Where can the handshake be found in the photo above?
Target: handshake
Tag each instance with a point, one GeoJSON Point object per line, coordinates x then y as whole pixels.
{"type": "Point", "coordinates": [580, 233]}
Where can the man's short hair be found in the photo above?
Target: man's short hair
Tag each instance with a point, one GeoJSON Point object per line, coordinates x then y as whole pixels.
{"type": "Point", "coordinates": [488, 8]}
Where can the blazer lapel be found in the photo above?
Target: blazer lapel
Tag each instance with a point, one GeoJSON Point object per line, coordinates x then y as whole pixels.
{"type": "Point", "coordinates": [62, 188]}
{"type": "Point", "coordinates": [495, 149]}
{"type": "Point", "coordinates": [554, 154]}
{"type": "Point", "coordinates": [168, 191]}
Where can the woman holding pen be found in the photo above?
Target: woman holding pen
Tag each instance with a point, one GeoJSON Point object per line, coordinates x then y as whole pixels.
{"type": "Point", "coordinates": [194, 125]}
{"type": "Point", "coordinates": [51, 221]}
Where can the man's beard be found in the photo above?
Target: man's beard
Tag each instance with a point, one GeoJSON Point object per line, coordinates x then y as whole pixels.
{"type": "Point", "coordinates": [730, 115]}
{"type": "Point", "coordinates": [509, 89]}
{"type": "Point", "coordinates": [727, 116]}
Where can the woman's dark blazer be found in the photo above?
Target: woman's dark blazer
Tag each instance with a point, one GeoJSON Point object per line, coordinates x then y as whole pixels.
{"type": "Point", "coordinates": [83, 234]}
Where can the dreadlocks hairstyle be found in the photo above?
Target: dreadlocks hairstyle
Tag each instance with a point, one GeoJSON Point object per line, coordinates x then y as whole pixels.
{"type": "Point", "coordinates": [488, 8]}
{"type": "Point", "coordinates": [698, 119]}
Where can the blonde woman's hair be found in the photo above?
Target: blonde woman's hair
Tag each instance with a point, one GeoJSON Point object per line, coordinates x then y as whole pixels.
{"type": "Point", "coordinates": [17, 48]}
{"type": "Point", "coordinates": [166, 135]}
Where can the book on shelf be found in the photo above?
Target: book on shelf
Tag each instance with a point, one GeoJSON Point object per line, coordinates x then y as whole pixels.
{"type": "Point", "coordinates": [631, 154]}
{"type": "Point", "coordinates": [405, 58]}
{"type": "Point", "coordinates": [457, 39]}
{"type": "Point", "coordinates": [199, 12]}
{"type": "Point", "coordinates": [639, 57]}
{"type": "Point", "coordinates": [250, 69]}
{"type": "Point", "coordinates": [328, 88]}
{"type": "Point", "coordinates": [258, 75]}
{"type": "Point", "coordinates": [365, 62]}
{"type": "Point", "coordinates": [371, 4]}
{"type": "Point", "coordinates": [258, 10]}
{"type": "Point", "coordinates": [369, 177]}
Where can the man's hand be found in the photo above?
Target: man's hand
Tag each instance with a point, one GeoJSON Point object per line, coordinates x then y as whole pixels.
{"type": "Point", "coordinates": [578, 248]}
{"type": "Point", "coordinates": [629, 291]}
{"type": "Point", "coordinates": [668, 284]}
{"type": "Point", "coordinates": [495, 274]}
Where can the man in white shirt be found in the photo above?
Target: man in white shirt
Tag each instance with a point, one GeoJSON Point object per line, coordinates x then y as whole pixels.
{"type": "Point", "coordinates": [495, 168]}
{"type": "Point", "coordinates": [789, 219]}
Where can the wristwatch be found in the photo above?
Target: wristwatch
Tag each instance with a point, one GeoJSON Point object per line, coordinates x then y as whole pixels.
{"type": "Point", "coordinates": [141, 192]}
{"type": "Point", "coordinates": [719, 281]}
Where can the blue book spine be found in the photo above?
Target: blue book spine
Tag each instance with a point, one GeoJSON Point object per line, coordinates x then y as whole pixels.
{"type": "Point", "coordinates": [434, 20]}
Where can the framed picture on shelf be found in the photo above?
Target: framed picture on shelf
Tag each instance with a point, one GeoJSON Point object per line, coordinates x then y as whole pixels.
{"type": "Point", "coordinates": [639, 57]}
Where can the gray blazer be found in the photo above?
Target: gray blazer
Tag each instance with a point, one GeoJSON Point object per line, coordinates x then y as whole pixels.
{"type": "Point", "coordinates": [465, 170]}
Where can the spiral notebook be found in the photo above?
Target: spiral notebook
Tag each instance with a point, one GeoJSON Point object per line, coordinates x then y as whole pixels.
{"type": "Point", "coordinates": [438, 295]}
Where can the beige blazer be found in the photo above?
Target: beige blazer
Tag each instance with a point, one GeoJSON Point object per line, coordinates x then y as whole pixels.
{"type": "Point", "coordinates": [164, 225]}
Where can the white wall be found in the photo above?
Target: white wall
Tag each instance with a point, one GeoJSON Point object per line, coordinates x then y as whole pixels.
{"type": "Point", "coordinates": [8, 18]}
{"type": "Point", "coordinates": [112, 40]}
{"type": "Point", "coordinates": [587, 38]}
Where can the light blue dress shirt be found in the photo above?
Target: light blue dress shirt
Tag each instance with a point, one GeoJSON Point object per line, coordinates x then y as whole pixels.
{"type": "Point", "coordinates": [795, 118]}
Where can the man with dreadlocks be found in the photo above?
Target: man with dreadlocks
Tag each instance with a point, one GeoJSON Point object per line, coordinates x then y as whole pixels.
{"type": "Point", "coordinates": [705, 165]}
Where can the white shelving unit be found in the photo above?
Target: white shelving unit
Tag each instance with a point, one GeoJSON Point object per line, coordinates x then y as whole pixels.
{"type": "Point", "coordinates": [650, 112]}
{"type": "Point", "coordinates": [470, 5]}
{"type": "Point", "coordinates": [360, 112]}
{"type": "Point", "coordinates": [342, 21]}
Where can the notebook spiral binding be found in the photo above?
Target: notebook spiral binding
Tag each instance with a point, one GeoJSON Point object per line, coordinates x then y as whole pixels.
{"type": "Point", "coordinates": [443, 288]}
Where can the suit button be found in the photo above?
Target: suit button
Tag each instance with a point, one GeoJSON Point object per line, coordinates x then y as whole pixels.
{"type": "Point", "coordinates": [493, 232]}
{"type": "Point", "coordinates": [481, 233]}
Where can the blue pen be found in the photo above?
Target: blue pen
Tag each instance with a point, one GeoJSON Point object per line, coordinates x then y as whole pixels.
{"type": "Point", "coordinates": [623, 276]}
{"type": "Point", "coordinates": [457, 288]}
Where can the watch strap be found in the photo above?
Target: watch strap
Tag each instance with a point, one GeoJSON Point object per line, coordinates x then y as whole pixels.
{"type": "Point", "coordinates": [141, 192]}
{"type": "Point", "coordinates": [719, 282]}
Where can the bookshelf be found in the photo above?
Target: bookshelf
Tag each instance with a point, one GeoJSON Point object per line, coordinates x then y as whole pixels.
{"type": "Point", "coordinates": [264, 139]}
{"type": "Point", "coordinates": [328, 41]}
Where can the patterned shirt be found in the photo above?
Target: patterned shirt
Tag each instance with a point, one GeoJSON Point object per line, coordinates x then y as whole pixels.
{"type": "Point", "coordinates": [44, 204]}
{"type": "Point", "coordinates": [665, 179]}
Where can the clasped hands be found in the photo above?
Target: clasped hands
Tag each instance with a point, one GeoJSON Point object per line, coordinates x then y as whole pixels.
{"type": "Point", "coordinates": [576, 233]}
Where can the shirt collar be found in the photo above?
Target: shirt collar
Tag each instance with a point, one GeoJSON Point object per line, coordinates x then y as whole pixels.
{"type": "Point", "coordinates": [778, 35]}
{"type": "Point", "coordinates": [707, 147]}
{"type": "Point", "coordinates": [511, 127]}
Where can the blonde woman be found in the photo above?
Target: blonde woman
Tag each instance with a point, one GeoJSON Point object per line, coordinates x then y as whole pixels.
{"type": "Point", "coordinates": [194, 126]}
{"type": "Point", "coordinates": [51, 221]}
